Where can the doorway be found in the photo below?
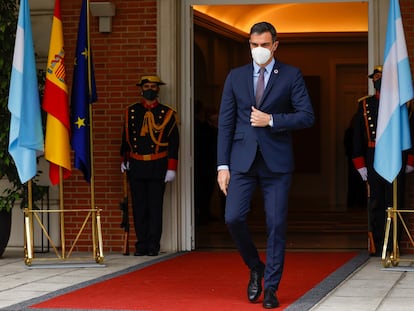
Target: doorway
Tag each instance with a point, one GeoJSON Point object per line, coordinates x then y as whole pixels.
{"type": "Point", "coordinates": [175, 63]}
{"type": "Point", "coordinates": [318, 198]}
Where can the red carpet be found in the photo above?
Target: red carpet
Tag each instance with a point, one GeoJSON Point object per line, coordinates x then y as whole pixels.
{"type": "Point", "coordinates": [198, 281]}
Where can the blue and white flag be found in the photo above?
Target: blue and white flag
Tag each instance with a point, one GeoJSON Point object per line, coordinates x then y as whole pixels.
{"type": "Point", "coordinates": [26, 133]}
{"type": "Point", "coordinates": [393, 129]}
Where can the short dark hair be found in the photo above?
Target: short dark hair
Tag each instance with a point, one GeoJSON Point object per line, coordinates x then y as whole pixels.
{"type": "Point", "coordinates": [262, 27]}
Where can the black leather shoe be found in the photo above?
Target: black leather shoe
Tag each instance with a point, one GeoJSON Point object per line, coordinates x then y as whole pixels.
{"type": "Point", "coordinates": [270, 300]}
{"type": "Point", "coordinates": [254, 288]}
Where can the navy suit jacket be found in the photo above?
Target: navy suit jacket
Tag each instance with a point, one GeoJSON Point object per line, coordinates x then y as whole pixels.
{"type": "Point", "coordinates": [285, 97]}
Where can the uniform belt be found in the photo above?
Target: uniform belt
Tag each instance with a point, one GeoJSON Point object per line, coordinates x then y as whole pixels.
{"type": "Point", "coordinates": [149, 157]}
{"type": "Point", "coordinates": [371, 144]}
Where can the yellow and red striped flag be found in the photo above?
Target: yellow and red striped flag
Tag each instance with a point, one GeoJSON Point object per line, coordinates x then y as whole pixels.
{"type": "Point", "coordinates": [56, 104]}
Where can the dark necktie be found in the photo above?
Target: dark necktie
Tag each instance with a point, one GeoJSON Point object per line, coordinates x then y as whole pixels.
{"type": "Point", "coordinates": [260, 86]}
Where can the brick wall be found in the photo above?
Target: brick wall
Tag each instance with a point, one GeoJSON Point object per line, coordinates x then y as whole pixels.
{"type": "Point", "coordinates": [120, 58]}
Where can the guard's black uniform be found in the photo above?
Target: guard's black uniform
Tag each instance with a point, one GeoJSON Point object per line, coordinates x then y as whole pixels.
{"type": "Point", "coordinates": [381, 191]}
{"type": "Point", "coordinates": [150, 144]}
{"type": "Point", "coordinates": [363, 155]}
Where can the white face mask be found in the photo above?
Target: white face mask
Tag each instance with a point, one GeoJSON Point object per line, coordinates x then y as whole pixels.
{"type": "Point", "coordinates": [260, 55]}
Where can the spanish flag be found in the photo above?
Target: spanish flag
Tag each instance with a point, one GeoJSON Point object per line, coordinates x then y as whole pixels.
{"type": "Point", "coordinates": [55, 103]}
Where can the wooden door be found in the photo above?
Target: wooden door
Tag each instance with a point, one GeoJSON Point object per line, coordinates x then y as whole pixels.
{"type": "Point", "coordinates": [351, 84]}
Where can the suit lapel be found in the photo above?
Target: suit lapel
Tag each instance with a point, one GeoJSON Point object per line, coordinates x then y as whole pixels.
{"type": "Point", "coordinates": [250, 83]}
{"type": "Point", "coordinates": [274, 76]}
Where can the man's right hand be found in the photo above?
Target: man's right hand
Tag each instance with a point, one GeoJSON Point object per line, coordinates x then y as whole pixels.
{"type": "Point", "coordinates": [124, 166]}
{"type": "Point", "coordinates": [363, 172]}
{"type": "Point", "coordinates": [223, 179]}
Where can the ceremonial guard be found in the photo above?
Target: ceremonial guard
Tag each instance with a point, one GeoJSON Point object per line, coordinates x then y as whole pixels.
{"type": "Point", "coordinates": [380, 192]}
{"type": "Point", "coordinates": [149, 153]}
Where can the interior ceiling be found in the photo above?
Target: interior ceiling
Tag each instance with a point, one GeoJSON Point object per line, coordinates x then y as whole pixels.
{"type": "Point", "coordinates": [293, 17]}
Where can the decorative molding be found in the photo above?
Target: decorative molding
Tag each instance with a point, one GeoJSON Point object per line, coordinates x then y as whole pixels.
{"type": "Point", "coordinates": [321, 37]}
{"type": "Point", "coordinates": [219, 27]}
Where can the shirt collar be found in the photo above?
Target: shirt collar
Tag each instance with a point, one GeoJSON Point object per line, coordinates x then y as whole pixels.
{"type": "Point", "coordinates": [269, 66]}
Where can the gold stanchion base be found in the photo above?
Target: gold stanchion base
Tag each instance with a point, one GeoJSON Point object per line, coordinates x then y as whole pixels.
{"type": "Point", "coordinates": [62, 257]}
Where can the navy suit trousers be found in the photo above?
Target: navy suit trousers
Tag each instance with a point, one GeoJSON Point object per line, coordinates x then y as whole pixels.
{"type": "Point", "coordinates": [275, 188]}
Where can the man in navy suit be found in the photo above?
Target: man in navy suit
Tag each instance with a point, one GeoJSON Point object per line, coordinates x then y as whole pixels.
{"type": "Point", "coordinates": [255, 148]}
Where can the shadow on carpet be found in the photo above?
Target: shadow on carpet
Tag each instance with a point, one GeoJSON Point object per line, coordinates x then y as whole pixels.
{"type": "Point", "coordinates": [202, 281]}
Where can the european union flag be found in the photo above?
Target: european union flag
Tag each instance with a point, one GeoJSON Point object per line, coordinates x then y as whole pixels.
{"type": "Point", "coordinates": [83, 94]}
{"type": "Point", "coordinates": [26, 133]}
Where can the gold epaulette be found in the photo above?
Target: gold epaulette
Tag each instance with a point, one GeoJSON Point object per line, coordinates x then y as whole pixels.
{"type": "Point", "coordinates": [175, 113]}
{"type": "Point", "coordinates": [173, 109]}
{"type": "Point", "coordinates": [363, 98]}
{"type": "Point", "coordinates": [131, 105]}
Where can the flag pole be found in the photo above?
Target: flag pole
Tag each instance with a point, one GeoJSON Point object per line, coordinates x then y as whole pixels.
{"type": "Point", "coordinates": [29, 224]}
{"type": "Point", "coordinates": [392, 215]}
{"type": "Point", "coordinates": [91, 131]}
{"type": "Point", "coordinates": [62, 214]}
{"type": "Point", "coordinates": [395, 217]}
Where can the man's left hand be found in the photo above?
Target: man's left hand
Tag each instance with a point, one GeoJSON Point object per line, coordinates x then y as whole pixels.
{"type": "Point", "coordinates": [169, 176]}
{"type": "Point", "coordinates": [259, 118]}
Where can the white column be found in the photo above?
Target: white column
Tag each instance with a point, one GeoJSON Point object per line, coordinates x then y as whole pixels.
{"type": "Point", "coordinates": [174, 44]}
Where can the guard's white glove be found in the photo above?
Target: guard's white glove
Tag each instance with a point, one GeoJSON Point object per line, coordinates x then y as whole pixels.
{"type": "Point", "coordinates": [169, 176]}
{"type": "Point", "coordinates": [124, 166]}
{"type": "Point", "coordinates": [409, 169]}
{"type": "Point", "coordinates": [363, 172]}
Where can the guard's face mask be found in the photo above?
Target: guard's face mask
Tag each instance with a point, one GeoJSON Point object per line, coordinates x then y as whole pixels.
{"type": "Point", "coordinates": [377, 84]}
{"type": "Point", "coordinates": [150, 94]}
